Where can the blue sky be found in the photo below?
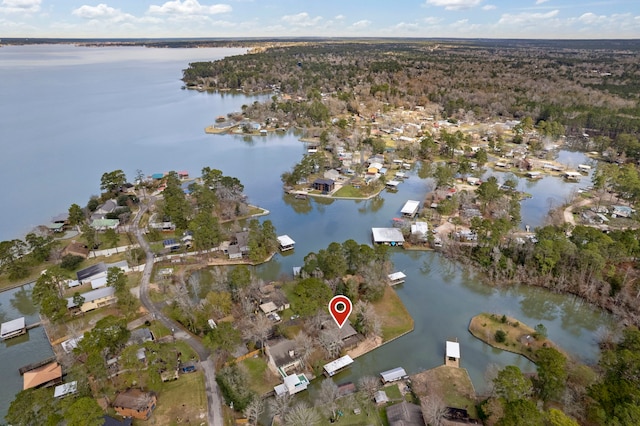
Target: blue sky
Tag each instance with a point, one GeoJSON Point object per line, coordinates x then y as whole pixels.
{"type": "Point", "coordinates": [292, 18]}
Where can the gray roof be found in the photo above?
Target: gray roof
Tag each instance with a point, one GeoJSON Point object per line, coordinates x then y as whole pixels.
{"type": "Point", "coordinates": [280, 352]}
{"type": "Point", "coordinates": [405, 414]}
{"type": "Point", "coordinates": [141, 335]}
{"type": "Point", "coordinates": [90, 296]}
{"type": "Point", "coordinates": [387, 235]}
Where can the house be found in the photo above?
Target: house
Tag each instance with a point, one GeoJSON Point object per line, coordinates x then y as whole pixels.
{"type": "Point", "coordinates": [86, 274]}
{"type": "Point", "coordinates": [405, 414]}
{"type": "Point", "coordinates": [135, 403]}
{"type": "Point", "coordinates": [44, 376]}
{"type": "Point", "coordinates": [110, 421]}
{"type": "Point", "coordinates": [410, 208]}
{"type": "Point", "coordinates": [622, 211]}
{"type": "Point", "coordinates": [171, 244]}
{"type": "Point", "coordinates": [324, 185]}
{"type": "Point", "coordinates": [13, 328]}
{"type": "Point", "coordinates": [332, 175]}
{"type": "Point", "coordinates": [292, 384]}
{"type": "Point", "coordinates": [183, 174]}
{"type": "Point", "coordinates": [76, 249]}
{"type": "Point", "coordinates": [283, 356]}
{"type": "Point", "coordinates": [239, 245]}
{"type": "Point", "coordinates": [472, 180]}
{"type": "Point", "coordinates": [104, 224]}
{"type": "Point", "coordinates": [103, 210]}
{"type": "Point", "coordinates": [393, 375]}
{"type": "Point", "coordinates": [95, 299]}
{"type": "Point", "coordinates": [286, 243]}
{"type": "Point", "coordinates": [388, 236]}
{"type": "Point", "coordinates": [420, 230]}
{"type": "Point", "coordinates": [268, 308]}
{"type": "Point", "coordinates": [335, 366]}
{"type": "Point", "coordinates": [141, 335]}
{"type": "Point", "coordinates": [452, 354]}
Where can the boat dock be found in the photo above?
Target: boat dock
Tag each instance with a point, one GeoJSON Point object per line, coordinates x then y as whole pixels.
{"type": "Point", "coordinates": [15, 328]}
{"type": "Point", "coordinates": [35, 365]}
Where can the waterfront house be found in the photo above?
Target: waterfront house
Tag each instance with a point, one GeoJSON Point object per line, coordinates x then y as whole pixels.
{"type": "Point", "coordinates": [283, 357]}
{"type": "Point", "coordinates": [239, 245]}
{"type": "Point", "coordinates": [104, 224]}
{"type": "Point", "coordinates": [135, 403]}
{"type": "Point", "coordinates": [622, 211]}
{"type": "Point", "coordinates": [104, 209]}
{"type": "Point", "coordinates": [76, 249]}
{"type": "Point", "coordinates": [405, 414]}
{"type": "Point", "coordinates": [324, 185]}
{"type": "Point", "coordinates": [47, 375]}
{"type": "Point", "coordinates": [292, 384]}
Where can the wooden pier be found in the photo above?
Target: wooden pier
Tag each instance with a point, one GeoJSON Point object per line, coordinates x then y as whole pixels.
{"type": "Point", "coordinates": [35, 365]}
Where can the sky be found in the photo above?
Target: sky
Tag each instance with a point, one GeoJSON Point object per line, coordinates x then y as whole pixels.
{"type": "Point", "coordinates": [320, 18]}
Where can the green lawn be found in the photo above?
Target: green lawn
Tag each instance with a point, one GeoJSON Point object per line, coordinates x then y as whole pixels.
{"type": "Point", "coordinates": [180, 401]}
{"type": "Point", "coordinates": [394, 316]}
{"type": "Point", "coordinates": [393, 392]}
{"type": "Point", "coordinates": [261, 379]}
{"type": "Point", "coordinates": [349, 192]}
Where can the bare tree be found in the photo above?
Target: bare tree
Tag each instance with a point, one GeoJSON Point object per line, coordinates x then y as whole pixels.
{"type": "Point", "coordinates": [259, 330]}
{"type": "Point", "coordinates": [328, 396]}
{"type": "Point", "coordinates": [369, 385]}
{"type": "Point", "coordinates": [302, 415]}
{"type": "Point", "coordinates": [305, 346]}
{"type": "Point", "coordinates": [433, 410]}
{"type": "Point", "coordinates": [367, 320]}
{"type": "Point", "coordinates": [330, 341]}
{"type": "Point", "coordinates": [253, 410]}
{"type": "Point", "coordinates": [280, 405]}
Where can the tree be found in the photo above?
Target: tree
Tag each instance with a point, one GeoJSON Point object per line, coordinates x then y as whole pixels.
{"type": "Point", "coordinates": [117, 279]}
{"type": "Point", "coordinates": [34, 407]}
{"type": "Point", "coordinates": [76, 215]}
{"type": "Point", "coordinates": [78, 299]}
{"type": "Point", "coordinates": [84, 411]}
{"type": "Point", "coordinates": [239, 278]}
{"type": "Point", "coordinates": [176, 207]}
{"type": "Point", "coordinates": [556, 417]}
{"type": "Point", "coordinates": [302, 415]}
{"type": "Point", "coordinates": [443, 175]}
{"type": "Point", "coordinates": [366, 321]}
{"type": "Point", "coordinates": [48, 294]}
{"type": "Point", "coordinates": [552, 373]}
{"type": "Point", "coordinates": [312, 295]}
{"type": "Point", "coordinates": [258, 330]}
{"type": "Point", "coordinates": [500, 336]}
{"type": "Point", "coordinates": [521, 412]}
{"type": "Point", "coordinates": [511, 384]}
{"type": "Point", "coordinates": [112, 238]}
{"type": "Point", "coordinates": [434, 410]}
{"type": "Point", "coordinates": [223, 338]}
{"type": "Point", "coordinates": [369, 385]}
{"type": "Point", "coordinates": [488, 191]}
{"type": "Point", "coordinates": [279, 406]}
{"type": "Point", "coordinates": [328, 396]}
{"type": "Point", "coordinates": [253, 410]}
{"type": "Point", "coordinates": [112, 181]}
{"type": "Point", "coordinates": [233, 385]}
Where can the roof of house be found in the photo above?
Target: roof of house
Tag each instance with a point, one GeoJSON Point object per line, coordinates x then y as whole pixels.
{"type": "Point", "coordinates": [268, 307]}
{"type": "Point", "coordinates": [92, 295]}
{"type": "Point", "coordinates": [405, 414]}
{"type": "Point", "coordinates": [280, 352]}
{"type": "Point", "coordinates": [141, 335]}
{"type": "Point", "coordinates": [91, 271]}
{"type": "Point", "coordinates": [42, 375]}
{"type": "Point", "coordinates": [323, 182]}
{"type": "Point", "coordinates": [134, 399]}
{"type": "Point", "coordinates": [104, 223]}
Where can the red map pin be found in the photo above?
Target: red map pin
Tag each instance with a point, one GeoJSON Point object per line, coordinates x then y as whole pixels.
{"type": "Point", "coordinates": [340, 309]}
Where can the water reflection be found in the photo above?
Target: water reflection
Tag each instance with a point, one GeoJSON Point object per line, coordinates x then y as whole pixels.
{"type": "Point", "coordinates": [300, 206]}
{"type": "Point", "coordinates": [372, 205]}
{"type": "Point", "coordinates": [22, 302]}
{"type": "Point", "coordinates": [534, 306]}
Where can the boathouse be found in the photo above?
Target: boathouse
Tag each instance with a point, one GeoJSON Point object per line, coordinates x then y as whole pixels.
{"type": "Point", "coordinates": [46, 375]}
{"type": "Point", "coordinates": [575, 176]}
{"type": "Point", "coordinates": [396, 278]}
{"type": "Point", "coordinates": [337, 365]}
{"type": "Point", "coordinates": [388, 236]}
{"type": "Point", "coordinates": [392, 185]}
{"type": "Point", "coordinates": [12, 328]}
{"type": "Point", "coordinates": [410, 208]}
{"type": "Point", "coordinates": [452, 355]}
{"type": "Point", "coordinates": [286, 243]}
{"type": "Point", "coordinates": [393, 375]}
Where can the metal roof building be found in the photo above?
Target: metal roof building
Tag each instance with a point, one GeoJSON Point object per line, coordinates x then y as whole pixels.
{"type": "Point", "coordinates": [390, 236]}
{"type": "Point", "coordinates": [335, 366]}
{"type": "Point", "coordinates": [392, 375]}
{"type": "Point", "coordinates": [410, 208]}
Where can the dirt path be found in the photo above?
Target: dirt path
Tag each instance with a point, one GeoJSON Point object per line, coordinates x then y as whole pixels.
{"type": "Point", "coordinates": [568, 212]}
{"type": "Point", "coordinates": [365, 346]}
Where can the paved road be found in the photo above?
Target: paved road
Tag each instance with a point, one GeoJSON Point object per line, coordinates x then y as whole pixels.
{"type": "Point", "coordinates": [213, 395]}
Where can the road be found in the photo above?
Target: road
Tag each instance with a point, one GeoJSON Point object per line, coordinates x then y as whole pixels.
{"type": "Point", "coordinates": [214, 412]}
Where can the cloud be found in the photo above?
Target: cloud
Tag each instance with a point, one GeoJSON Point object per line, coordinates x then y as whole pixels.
{"type": "Point", "coordinates": [339, 17]}
{"type": "Point", "coordinates": [432, 20]}
{"type": "Point", "coordinates": [591, 18]}
{"type": "Point", "coordinates": [526, 17]}
{"type": "Point", "coordinates": [541, 1]}
{"type": "Point", "coordinates": [489, 7]}
{"type": "Point", "coordinates": [455, 4]}
{"type": "Point", "coordinates": [188, 7]}
{"type": "Point", "coordinates": [102, 12]}
{"type": "Point", "coordinates": [361, 24]}
{"type": "Point", "coordinates": [20, 6]}
{"type": "Point", "coordinates": [302, 20]}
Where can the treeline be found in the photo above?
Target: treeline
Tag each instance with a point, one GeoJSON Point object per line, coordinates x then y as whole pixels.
{"type": "Point", "coordinates": [579, 87]}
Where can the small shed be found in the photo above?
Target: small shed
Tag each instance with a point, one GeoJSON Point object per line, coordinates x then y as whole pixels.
{"type": "Point", "coordinates": [393, 375]}
{"type": "Point", "coordinates": [381, 397]}
{"type": "Point", "coordinates": [286, 243]}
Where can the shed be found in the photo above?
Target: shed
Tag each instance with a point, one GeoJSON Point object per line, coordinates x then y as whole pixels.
{"type": "Point", "coordinates": [389, 236]}
{"type": "Point", "coordinates": [65, 389]}
{"type": "Point", "coordinates": [410, 208]}
{"type": "Point", "coordinates": [337, 365]}
{"type": "Point", "coordinates": [381, 397]}
{"type": "Point", "coordinates": [286, 243]}
{"type": "Point", "coordinates": [13, 328]}
{"type": "Point", "coordinates": [393, 375]}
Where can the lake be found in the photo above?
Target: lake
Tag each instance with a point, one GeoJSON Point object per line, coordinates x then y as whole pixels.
{"type": "Point", "coordinates": [69, 114]}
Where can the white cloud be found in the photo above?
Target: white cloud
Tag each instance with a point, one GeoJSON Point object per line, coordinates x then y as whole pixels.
{"type": "Point", "coordinates": [301, 20]}
{"type": "Point", "coordinates": [455, 4]}
{"type": "Point", "coordinates": [20, 6]}
{"type": "Point", "coordinates": [591, 18]}
{"type": "Point", "coordinates": [339, 17]}
{"type": "Point", "coordinates": [489, 7]}
{"type": "Point", "coordinates": [432, 20]}
{"type": "Point", "coordinates": [361, 24]}
{"type": "Point", "coordinates": [102, 12]}
{"type": "Point", "coordinates": [541, 1]}
{"type": "Point", "coordinates": [188, 7]}
{"type": "Point", "coordinates": [526, 17]}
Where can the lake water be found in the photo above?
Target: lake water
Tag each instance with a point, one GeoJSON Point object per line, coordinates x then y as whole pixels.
{"type": "Point", "coordinates": [69, 114]}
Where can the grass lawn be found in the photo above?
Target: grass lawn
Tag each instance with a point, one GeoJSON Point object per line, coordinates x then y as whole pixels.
{"type": "Point", "coordinates": [349, 192]}
{"type": "Point", "coordinates": [261, 379]}
{"type": "Point", "coordinates": [393, 392]}
{"type": "Point", "coordinates": [451, 384]}
{"type": "Point", "coordinates": [485, 325]}
{"type": "Point", "coordinates": [181, 401]}
{"type": "Point", "coordinates": [394, 316]}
